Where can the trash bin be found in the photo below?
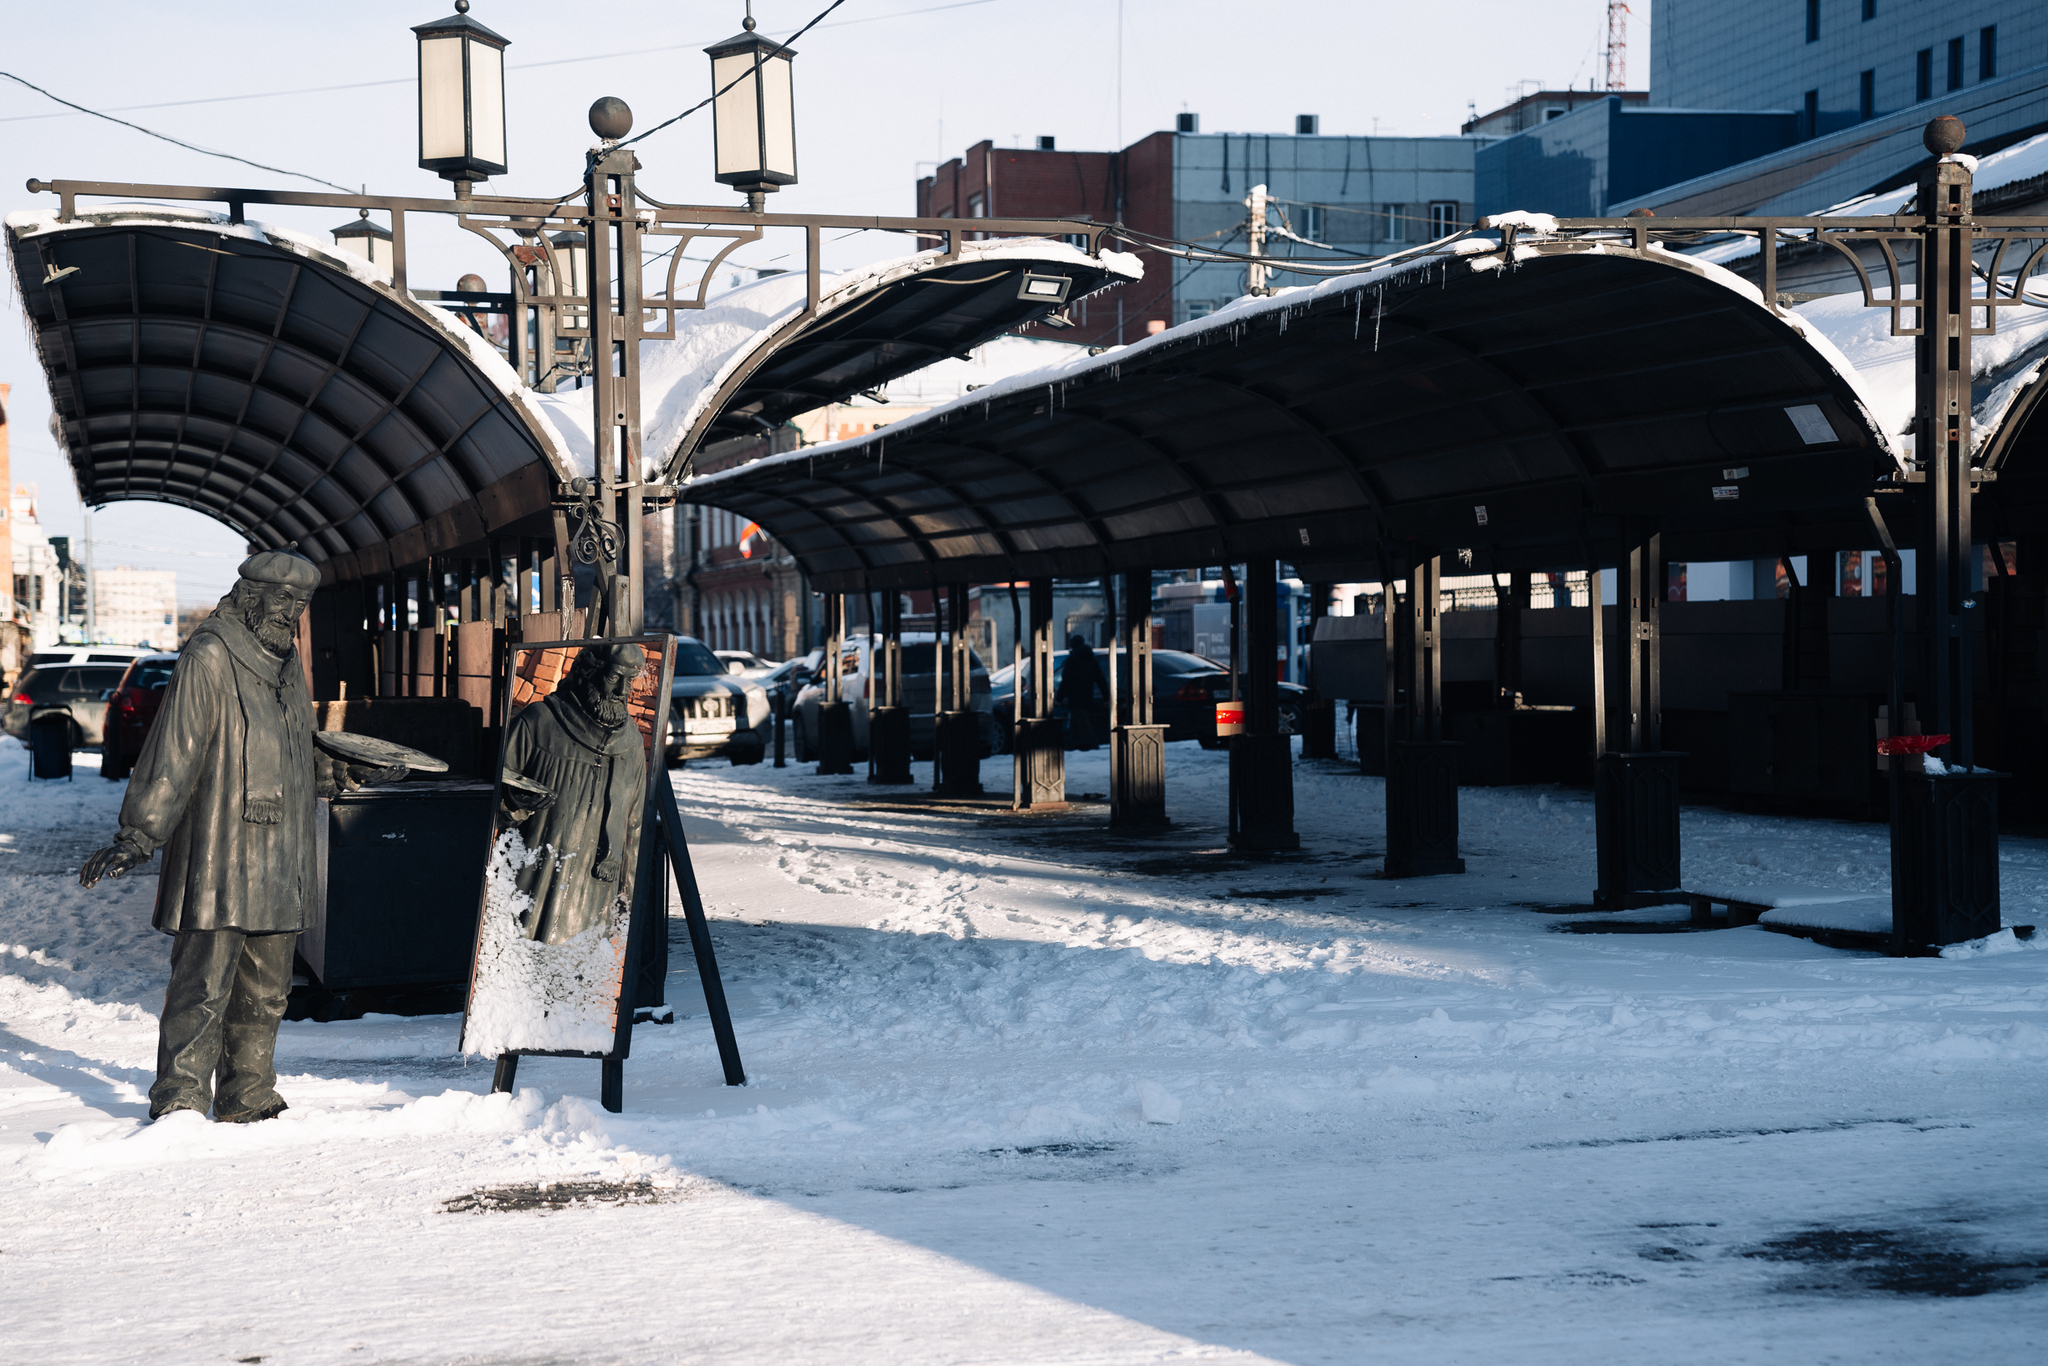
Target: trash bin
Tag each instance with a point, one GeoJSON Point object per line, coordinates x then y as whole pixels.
{"type": "Point", "coordinates": [49, 743]}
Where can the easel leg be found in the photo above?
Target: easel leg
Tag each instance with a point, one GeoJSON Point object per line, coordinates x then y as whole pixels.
{"type": "Point", "coordinates": [700, 938]}
{"type": "Point", "coordinates": [612, 1090]}
{"type": "Point", "coordinates": [507, 1073]}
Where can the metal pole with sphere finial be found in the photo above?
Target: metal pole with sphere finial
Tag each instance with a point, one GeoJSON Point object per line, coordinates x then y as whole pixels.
{"type": "Point", "coordinates": [615, 315]}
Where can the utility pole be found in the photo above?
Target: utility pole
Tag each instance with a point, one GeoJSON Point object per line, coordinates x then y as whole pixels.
{"type": "Point", "coordinates": [1255, 230]}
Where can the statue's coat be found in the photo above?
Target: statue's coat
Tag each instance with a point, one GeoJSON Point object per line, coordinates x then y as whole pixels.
{"type": "Point", "coordinates": [190, 789]}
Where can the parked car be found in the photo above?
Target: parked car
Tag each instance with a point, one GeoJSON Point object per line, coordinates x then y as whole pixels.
{"type": "Point", "coordinates": [785, 680]}
{"type": "Point", "coordinates": [714, 713]}
{"type": "Point", "coordinates": [743, 662]}
{"type": "Point", "coordinates": [62, 655]}
{"type": "Point", "coordinates": [1185, 690]}
{"type": "Point", "coordinates": [131, 710]}
{"type": "Point", "coordinates": [86, 654]}
{"type": "Point", "coordinates": [79, 690]}
{"type": "Point", "coordinates": [920, 652]}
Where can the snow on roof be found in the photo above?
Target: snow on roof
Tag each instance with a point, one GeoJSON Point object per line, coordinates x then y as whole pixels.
{"type": "Point", "coordinates": [2001, 365]}
{"type": "Point", "coordinates": [25, 224]}
{"type": "Point", "coordinates": [1478, 251]}
{"type": "Point", "coordinates": [2021, 161]}
{"type": "Point", "coordinates": [679, 378]}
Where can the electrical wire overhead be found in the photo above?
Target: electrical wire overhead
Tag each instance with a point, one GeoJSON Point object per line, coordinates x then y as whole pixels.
{"type": "Point", "coordinates": [165, 137]}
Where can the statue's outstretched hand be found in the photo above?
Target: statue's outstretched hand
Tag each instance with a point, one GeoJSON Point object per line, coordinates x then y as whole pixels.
{"type": "Point", "coordinates": [112, 861]}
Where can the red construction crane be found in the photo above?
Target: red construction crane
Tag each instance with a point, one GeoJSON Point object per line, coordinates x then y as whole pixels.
{"type": "Point", "coordinates": [1617, 45]}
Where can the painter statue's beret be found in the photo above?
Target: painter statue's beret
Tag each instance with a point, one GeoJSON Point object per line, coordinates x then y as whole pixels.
{"type": "Point", "coordinates": [282, 566]}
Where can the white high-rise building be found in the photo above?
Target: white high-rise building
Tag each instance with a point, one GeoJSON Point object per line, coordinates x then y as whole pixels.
{"type": "Point", "coordinates": [137, 607]}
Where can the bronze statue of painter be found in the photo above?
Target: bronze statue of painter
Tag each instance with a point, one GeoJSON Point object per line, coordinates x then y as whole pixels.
{"type": "Point", "coordinates": [226, 785]}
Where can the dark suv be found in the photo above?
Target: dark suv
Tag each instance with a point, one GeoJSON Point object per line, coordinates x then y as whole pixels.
{"type": "Point", "coordinates": [131, 710]}
{"type": "Point", "coordinates": [78, 690]}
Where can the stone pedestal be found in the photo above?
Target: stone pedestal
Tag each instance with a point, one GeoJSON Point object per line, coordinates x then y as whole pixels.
{"type": "Point", "coordinates": [1262, 792]}
{"type": "Point", "coordinates": [889, 745]}
{"type": "Point", "coordinates": [1945, 857]}
{"type": "Point", "coordinates": [1039, 752]}
{"type": "Point", "coordinates": [1139, 799]}
{"type": "Point", "coordinates": [957, 755]}
{"type": "Point", "coordinates": [1635, 824]}
{"type": "Point", "coordinates": [835, 737]}
{"type": "Point", "coordinates": [1422, 809]}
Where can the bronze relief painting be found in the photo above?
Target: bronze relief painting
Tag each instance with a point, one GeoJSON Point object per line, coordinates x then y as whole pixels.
{"type": "Point", "coordinates": [578, 752]}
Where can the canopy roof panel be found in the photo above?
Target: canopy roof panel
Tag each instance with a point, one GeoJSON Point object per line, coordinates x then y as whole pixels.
{"type": "Point", "coordinates": [1462, 400]}
{"type": "Point", "coordinates": [287, 391]}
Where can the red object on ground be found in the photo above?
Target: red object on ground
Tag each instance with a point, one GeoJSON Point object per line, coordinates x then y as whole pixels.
{"type": "Point", "coordinates": [1910, 744]}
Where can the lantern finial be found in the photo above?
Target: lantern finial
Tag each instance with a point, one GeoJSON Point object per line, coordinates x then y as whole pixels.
{"type": "Point", "coordinates": [462, 6]}
{"type": "Point", "coordinates": [748, 22]}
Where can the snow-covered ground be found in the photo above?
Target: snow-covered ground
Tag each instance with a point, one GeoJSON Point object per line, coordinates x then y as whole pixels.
{"type": "Point", "coordinates": [1025, 1091]}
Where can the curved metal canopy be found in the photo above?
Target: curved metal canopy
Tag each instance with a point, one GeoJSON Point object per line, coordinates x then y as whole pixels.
{"type": "Point", "coordinates": [1526, 406]}
{"type": "Point", "coordinates": [246, 374]}
{"type": "Point", "coordinates": [925, 311]}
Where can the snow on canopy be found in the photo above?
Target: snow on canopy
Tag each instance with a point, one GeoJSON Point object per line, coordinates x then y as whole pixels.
{"type": "Point", "coordinates": [680, 378]}
{"type": "Point", "coordinates": [1477, 251]}
{"type": "Point", "coordinates": [27, 224]}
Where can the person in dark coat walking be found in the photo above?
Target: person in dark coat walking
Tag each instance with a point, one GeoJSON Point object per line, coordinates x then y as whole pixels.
{"type": "Point", "coordinates": [226, 785]}
{"type": "Point", "coordinates": [1085, 694]}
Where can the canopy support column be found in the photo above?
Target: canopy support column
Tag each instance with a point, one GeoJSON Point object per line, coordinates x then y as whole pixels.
{"type": "Point", "coordinates": [1038, 742]}
{"type": "Point", "coordinates": [835, 714]}
{"type": "Point", "coordinates": [1945, 827]}
{"type": "Point", "coordinates": [888, 718]}
{"type": "Point", "coordinates": [1319, 731]}
{"type": "Point", "coordinates": [1137, 746]}
{"type": "Point", "coordinates": [1635, 791]}
{"type": "Point", "coordinates": [1422, 766]}
{"type": "Point", "coordinates": [1262, 759]}
{"type": "Point", "coordinates": [956, 737]}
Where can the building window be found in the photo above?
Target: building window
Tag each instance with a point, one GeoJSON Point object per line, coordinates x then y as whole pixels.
{"type": "Point", "coordinates": [1201, 308]}
{"type": "Point", "coordinates": [1923, 75]}
{"type": "Point", "coordinates": [1955, 64]}
{"type": "Point", "coordinates": [977, 207]}
{"type": "Point", "coordinates": [1315, 222]}
{"type": "Point", "coordinates": [1987, 52]}
{"type": "Point", "coordinates": [1867, 95]}
{"type": "Point", "coordinates": [1443, 219]}
{"type": "Point", "coordinates": [1812, 21]}
{"type": "Point", "coordinates": [1393, 223]}
{"type": "Point", "coordinates": [1869, 10]}
{"type": "Point", "coordinates": [1553, 112]}
{"type": "Point", "coordinates": [1810, 119]}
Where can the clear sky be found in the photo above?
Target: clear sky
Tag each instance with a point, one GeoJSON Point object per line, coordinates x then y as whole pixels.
{"type": "Point", "coordinates": [882, 86]}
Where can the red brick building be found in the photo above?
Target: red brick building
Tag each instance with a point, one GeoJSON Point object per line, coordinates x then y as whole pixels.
{"type": "Point", "coordinates": [1134, 186]}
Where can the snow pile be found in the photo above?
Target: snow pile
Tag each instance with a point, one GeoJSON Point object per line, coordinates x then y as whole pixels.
{"type": "Point", "coordinates": [1991, 945]}
{"type": "Point", "coordinates": [1860, 915]}
{"type": "Point", "coordinates": [530, 996]}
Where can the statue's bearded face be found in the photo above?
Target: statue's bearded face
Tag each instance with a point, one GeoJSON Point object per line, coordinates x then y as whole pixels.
{"type": "Point", "coordinates": [271, 611]}
{"type": "Point", "coordinates": [599, 687]}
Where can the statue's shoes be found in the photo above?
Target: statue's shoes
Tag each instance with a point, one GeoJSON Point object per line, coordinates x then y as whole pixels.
{"type": "Point", "coordinates": [251, 1116]}
{"type": "Point", "coordinates": [158, 1116]}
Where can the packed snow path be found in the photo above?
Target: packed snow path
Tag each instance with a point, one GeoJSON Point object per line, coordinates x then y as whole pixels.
{"type": "Point", "coordinates": [1024, 1091]}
